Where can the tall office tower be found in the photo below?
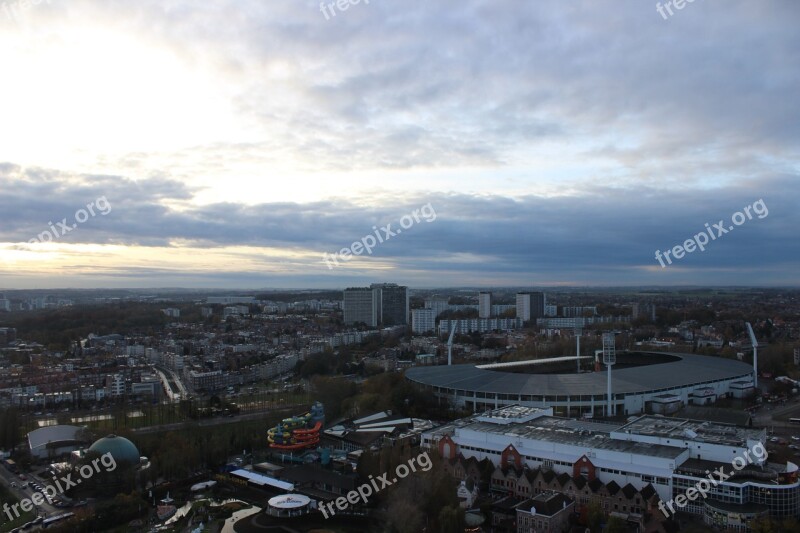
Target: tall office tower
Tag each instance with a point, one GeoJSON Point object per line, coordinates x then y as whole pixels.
{"type": "Point", "coordinates": [360, 306]}
{"type": "Point", "coordinates": [530, 305]}
{"type": "Point", "coordinates": [484, 304]}
{"type": "Point", "coordinates": [391, 302]}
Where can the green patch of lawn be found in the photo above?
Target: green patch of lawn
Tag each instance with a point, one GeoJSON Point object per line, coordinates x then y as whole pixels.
{"type": "Point", "coordinates": [10, 499]}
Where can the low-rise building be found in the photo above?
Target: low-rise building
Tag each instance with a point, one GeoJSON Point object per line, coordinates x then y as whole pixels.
{"type": "Point", "coordinates": [671, 455]}
{"type": "Point", "coordinates": [548, 511]}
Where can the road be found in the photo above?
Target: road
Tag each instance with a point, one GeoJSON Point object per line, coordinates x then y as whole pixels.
{"type": "Point", "coordinates": [165, 385]}
{"type": "Point", "coordinates": [7, 478]}
{"type": "Point", "coordinates": [767, 414]}
{"type": "Point", "coordinates": [218, 421]}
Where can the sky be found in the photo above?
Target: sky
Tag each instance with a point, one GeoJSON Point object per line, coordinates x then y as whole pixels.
{"type": "Point", "coordinates": [231, 144]}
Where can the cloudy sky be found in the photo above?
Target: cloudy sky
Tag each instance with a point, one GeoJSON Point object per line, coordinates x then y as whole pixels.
{"type": "Point", "coordinates": [231, 143]}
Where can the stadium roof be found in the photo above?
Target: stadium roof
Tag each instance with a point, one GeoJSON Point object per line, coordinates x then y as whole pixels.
{"type": "Point", "coordinates": [688, 369]}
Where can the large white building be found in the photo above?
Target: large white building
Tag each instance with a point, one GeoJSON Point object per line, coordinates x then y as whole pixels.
{"type": "Point", "coordinates": [484, 304]}
{"type": "Point", "coordinates": [438, 304]}
{"type": "Point", "coordinates": [54, 441]}
{"type": "Point", "coordinates": [669, 454]}
{"type": "Point", "coordinates": [481, 325]}
{"type": "Point", "coordinates": [423, 320]}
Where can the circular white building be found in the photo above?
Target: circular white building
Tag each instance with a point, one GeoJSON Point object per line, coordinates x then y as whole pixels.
{"type": "Point", "coordinates": [287, 505]}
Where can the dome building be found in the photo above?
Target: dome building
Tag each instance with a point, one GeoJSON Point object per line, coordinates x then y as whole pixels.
{"type": "Point", "coordinates": [123, 451]}
{"type": "Point", "coordinates": [119, 475]}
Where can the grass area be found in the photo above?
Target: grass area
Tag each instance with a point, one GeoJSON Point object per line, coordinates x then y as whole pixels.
{"type": "Point", "coordinates": [10, 499]}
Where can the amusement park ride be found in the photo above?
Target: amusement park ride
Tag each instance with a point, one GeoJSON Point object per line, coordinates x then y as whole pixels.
{"type": "Point", "coordinates": [298, 432]}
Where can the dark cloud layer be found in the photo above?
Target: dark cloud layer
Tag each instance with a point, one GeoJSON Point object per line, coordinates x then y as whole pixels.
{"type": "Point", "coordinates": [602, 235]}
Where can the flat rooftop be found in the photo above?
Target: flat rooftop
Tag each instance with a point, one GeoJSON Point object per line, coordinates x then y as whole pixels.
{"type": "Point", "coordinates": [556, 430]}
{"type": "Point", "coordinates": [696, 430]}
{"type": "Point", "coordinates": [511, 414]}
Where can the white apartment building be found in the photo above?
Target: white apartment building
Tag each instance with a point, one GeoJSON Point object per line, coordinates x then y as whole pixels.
{"type": "Point", "coordinates": [423, 320]}
{"type": "Point", "coordinates": [484, 304]}
{"type": "Point", "coordinates": [116, 385]}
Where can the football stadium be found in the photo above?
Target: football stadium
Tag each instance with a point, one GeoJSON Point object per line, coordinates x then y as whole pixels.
{"type": "Point", "coordinates": [641, 382]}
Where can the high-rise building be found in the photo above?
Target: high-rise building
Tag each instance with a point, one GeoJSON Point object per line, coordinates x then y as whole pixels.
{"type": "Point", "coordinates": [484, 304]}
{"type": "Point", "coordinates": [530, 305]}
{"type": "Point", "coordinates": [381, 303]}
{"type": "Point", "coordinates": [391, 301]}
{"type": "Point", "coordinates": [359, 306]}
{"type": "Point", "coordinates": [7, 335]}
{"type": "Point", "coordinates": [438, 304]}
{"type": "Point", "coordinates": [423, 320]}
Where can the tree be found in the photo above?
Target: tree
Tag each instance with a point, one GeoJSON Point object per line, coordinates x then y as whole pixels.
{"type": "Point", "coordinates": [451, 520]}
{"type": "Point", "coordinates": [403, 516]}
{"type": "Point", "coordinates": [616, 525]}
{"type": "Point", "coordinates": [332, 392]}
{"type": "Point", "coordinates": [764, 525]}
{"type": "Point", "coordinates": [790, 524]}
{"type": "Point", "coordinates": [594, 517]}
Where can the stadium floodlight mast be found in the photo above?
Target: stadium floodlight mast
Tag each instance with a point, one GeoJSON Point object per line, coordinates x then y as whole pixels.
{"type": "Point", "coordinates": [450, 344]}
{"type": "Point", "coordinates": [578, 331]}
{"type": "Point", "coordinates": [754, 342]}
{"type": "Point", "coordinates": [609, 359]}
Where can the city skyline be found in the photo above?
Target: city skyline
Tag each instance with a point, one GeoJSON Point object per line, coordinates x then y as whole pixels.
{"type": "Point", "coordinates": [235, 145]}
